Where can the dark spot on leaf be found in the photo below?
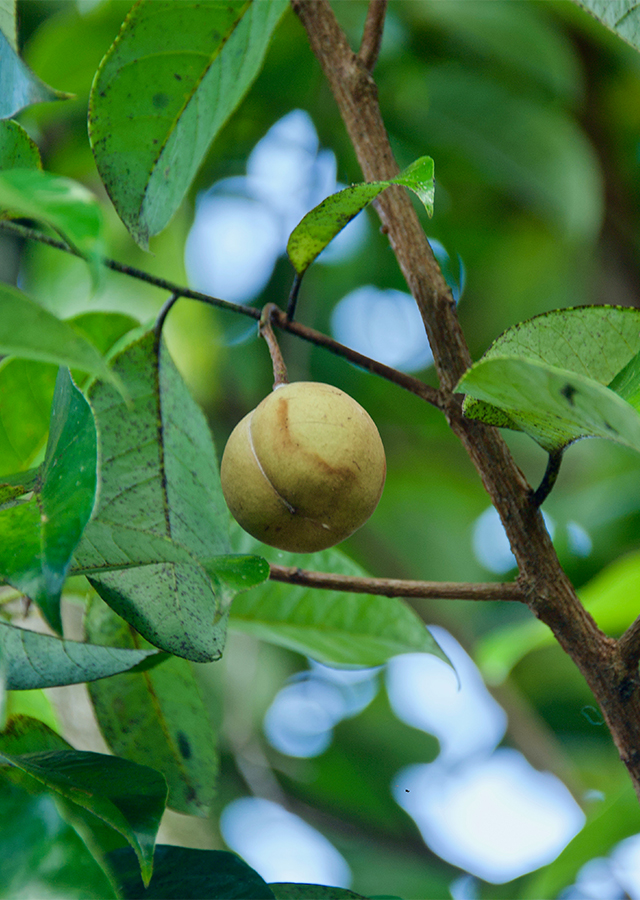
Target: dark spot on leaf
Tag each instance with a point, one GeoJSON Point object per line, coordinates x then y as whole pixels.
{"type": "Point", "coordinates": [160, 101]}
{"type": "Point", "coordinates": [184, 745]}
{"type": "Point", "coordinates": [177, 77]}
{"type": "Point", "coordinates": [569, 391]}
{"type": "Point", "coordinates": [609, 427]}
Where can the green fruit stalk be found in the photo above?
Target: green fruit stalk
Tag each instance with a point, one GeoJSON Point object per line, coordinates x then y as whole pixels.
{"type": "Point", "coordinates": [304, 469]}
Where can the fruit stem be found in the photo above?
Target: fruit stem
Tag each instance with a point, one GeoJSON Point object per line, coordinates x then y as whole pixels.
{"type": "Point", "coordinates": [266, 330]}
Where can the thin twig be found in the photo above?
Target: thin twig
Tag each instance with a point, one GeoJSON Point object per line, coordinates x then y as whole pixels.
{"type": "Point", "coordinates": [548, 479]}
{"type": "Point", "coordinates": [293, 296]}
{"type": "Point", "coordinates": [398, 587]}
{"type": "Point", "coordinates": [372, 34]}
{"type": "Point", "coordinates": [164, 312]}
{"type": "Point", "coordinates": [408, 382]}
{"type": "Point", "coordinates": [280, 375]}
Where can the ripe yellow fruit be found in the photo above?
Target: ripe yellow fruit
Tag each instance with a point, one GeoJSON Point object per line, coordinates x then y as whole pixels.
{"type": "Point", "coordinates": [305, 469]}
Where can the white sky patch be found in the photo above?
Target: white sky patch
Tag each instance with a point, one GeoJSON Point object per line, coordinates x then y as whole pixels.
{"type": "Point", "coordinates": [491, 545]}
{"type": "Point", "coordinates": [281, 846]}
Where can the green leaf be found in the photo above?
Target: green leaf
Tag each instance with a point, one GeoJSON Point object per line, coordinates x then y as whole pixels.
{"type": "Point", "coordinates": [180, 873]}
{"type": "Point", "coordinates": [29, 331]}
{"type": "Point", "coordinates": [319, 227]}
{"type": "Point", "coordinates": [620, 16]}
{"type": "Point", "coordinates": [160, 478]}
{"type": "Point", "coordinates": [24, 415]}
{"type": "Point", "coordinates": [162, 93]}
{"type": "Point", "coordinates": [610, 597]}
{"type": "Point", "coordinates": [334, 627]}
{"type": "Point", "coordinates": [127, 797]}
{"type": "Point", "coordinates": [19, 87]}
{"type": "Point", "coordinates": [103, 329]}
{"type": "Point", "coordinates": [8, 25]}
{"type": "Point", "coordinates": [65, 205]}
{"type": "Point", "coordinates": [33, 660]}
{"type": "Point", "coordinates": [17, 150]}
{"type": "Point", "coordinates": [38, 536]}
{"type": "Point", "coordinates": [605, 827]}
{"type": "Point", "coordinates": [155, 718]}
{"type": "Point", "coordinates": [590, 344]}
{"type": "Point", "coordinates": [288, 891]}
{"type": "Point", "coordinates": [553, 406]}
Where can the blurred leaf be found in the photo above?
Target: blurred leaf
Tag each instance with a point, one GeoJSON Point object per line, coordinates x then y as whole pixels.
{"type": "Point", "coordinates": [19, 87]}
{"type": "Point", "coordinates": [40, 849]}
{"type": "Point", "coordinates": [17, 150]}
{"type": "Point", "coordinates": [160, 477]}
{"type": "Point", "coordinates": [528, 147]}
{"type": "Point", "coordinates": [103, 329]}
{"type": "Point", "coordinates": [180, 873]}
{"type": "Point", "coordinates": [155, 718]}
{"type": "Point", "coordinates": [164, 90]}
{"type": "Point", "coordinates": [319, 227]}
{"type": "Point", "coordinates": [287, 891]}
{"type": "Point", "coordinates": [39, 534]}
{"type": "Point", "coordinates": [65, 205]}
{"type": "Point", "coordinates": [127, 797]}
{"type": "Point", "coordinates": [620, 16]}
{"type": "Point", "coordinates": [34, 660]}
{"type": "Point", "coordinates": [26, 394]}
{"type": "Point", "coordinates": [8, 22]}
{"type": "Point", "coordinates": [540, 359]}
{"type": "Point", "coordinates": [612, 597]}
{"type": "Point", "coordinates": [605, 827]}
{"type": "Point", "coordinates": [29, 331]}
{"type": "Point", "coordinates": [333, 627]}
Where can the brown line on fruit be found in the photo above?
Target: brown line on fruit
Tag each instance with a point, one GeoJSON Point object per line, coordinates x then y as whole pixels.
{"type": "Point", "coordinates": [285, 502]}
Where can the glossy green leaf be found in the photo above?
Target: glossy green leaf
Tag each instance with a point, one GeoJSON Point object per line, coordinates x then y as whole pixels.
{"type": "Point", "coordinates": [159, 476]}
{"type": "Point", "coordinates": [26, 394]}
{"type": "Point", "coordinates": [620, 16]}
{"type": "Point", "coordinates": [29, 331]}
{"type": "Point", "coordinates": [288, 891]}
{"type": "Point", "coordinates": [592, 341]}
{"type": "Point", "coordinates": [319, 227]}
{"type": "Point", "coordinates": [164, 90]}
{"type": "Point", "coordinates": [19, 87]}
{"type": "Point", "coordinates": [39, 534]}
{"type": "Point", "coordinates": [65, 205]}
{"type": "Point", "coordinates": [333, 627]}
{"type": "Point", "coordinates": [180, 873]}
{"type": "Point", "coordinates": [553, 406]}
{"type": "Point", "coordinates": [17, 150]}
{"type": "Point", "coordinates": [156, 717]}
{"type": "Point", "coordinates": [127, 797]}
{"type": "Point", "coordinates": [611, 597]}
{"type": "Point", "coordinates": [34, 660]}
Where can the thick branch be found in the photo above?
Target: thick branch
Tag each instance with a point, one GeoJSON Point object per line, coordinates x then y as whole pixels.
{"type": "Point", "coordinates": [398, 587]}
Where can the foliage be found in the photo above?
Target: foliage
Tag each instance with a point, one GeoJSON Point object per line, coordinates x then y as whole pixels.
{"type": "Point", "coordinates": [113, 400]}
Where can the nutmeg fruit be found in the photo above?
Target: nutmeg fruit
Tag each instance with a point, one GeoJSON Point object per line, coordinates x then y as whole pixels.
{"type": "Point", "coordinates": [304, 469]}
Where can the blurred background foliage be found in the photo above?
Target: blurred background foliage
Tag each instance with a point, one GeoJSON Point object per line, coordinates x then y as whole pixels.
{"type": "Point", "coordinates": [531, 112]}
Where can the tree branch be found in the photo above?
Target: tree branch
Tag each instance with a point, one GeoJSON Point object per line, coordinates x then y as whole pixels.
{"type": "Point", "coordinates": [408, 382]}
{"type": "Point", "coordinates": [372, 34]}
{"type": "Point", "coordinates": [398, 587]}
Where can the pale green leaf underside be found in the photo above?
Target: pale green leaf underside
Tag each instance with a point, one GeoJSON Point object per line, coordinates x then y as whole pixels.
{"type": "Point", "coordinates": [8, 22]}
{"type": "Point", "coordinates": [34, 661]}
{"type": "Point", "coordinates": [334, 627]}
{"type": "Point", "coordinates": [29, 331]}
{"type": "Point", "coordinates": [19, 87]}
{"type": "Point", "coordinates": [590, 345]}
{"type": "Point", "coordinates": [319, 227]}
{"type": "Point", "coordinates": [551, 405]}
{"type": "Point", "coordinates": [162, 93]}
{"type": "Point", "coordinates": [620, 16]}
